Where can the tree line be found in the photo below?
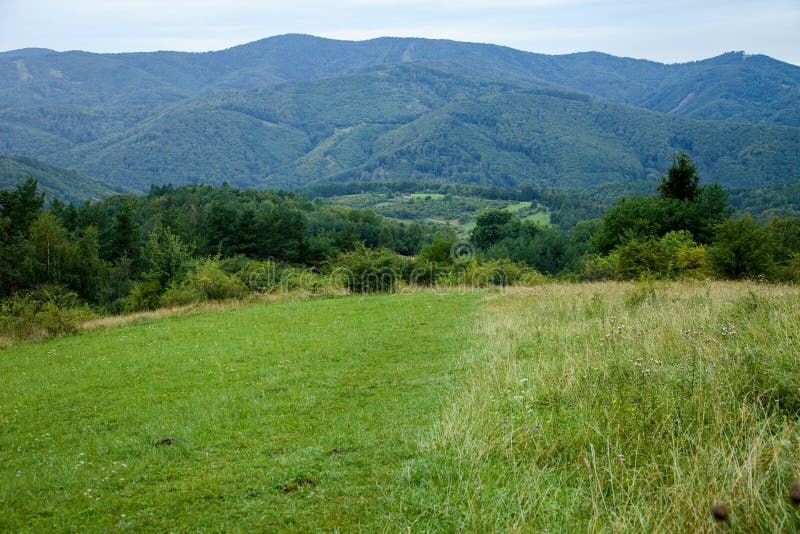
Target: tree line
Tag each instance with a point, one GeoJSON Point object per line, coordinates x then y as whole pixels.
{"type": "Point", "coordinates": [176, 246]}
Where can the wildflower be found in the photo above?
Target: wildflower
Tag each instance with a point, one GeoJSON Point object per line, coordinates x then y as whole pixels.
{"type": "Point", "coordinates": [728, 330]}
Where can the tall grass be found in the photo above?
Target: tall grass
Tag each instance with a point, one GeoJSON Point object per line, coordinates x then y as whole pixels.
{"type": "Point", "coordinates": [618, 407]}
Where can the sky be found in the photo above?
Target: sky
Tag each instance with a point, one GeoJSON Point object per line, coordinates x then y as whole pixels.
{"type": "Point", "coordinates": [670, 32]}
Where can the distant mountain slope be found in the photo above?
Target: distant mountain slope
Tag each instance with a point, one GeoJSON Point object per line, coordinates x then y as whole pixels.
{"type": "Point", "coordinates": [409, 122]}
{"type": "Point", "coordinates": [725, 87]}
{"type": "Point", "coordinates": [294, 109]}
{"type": "Point", "coordinates": [778, 200]}
{"type": "Point", "coordinates": [63, 184]}
{"type": "Point", "coordinates": [27, 52]}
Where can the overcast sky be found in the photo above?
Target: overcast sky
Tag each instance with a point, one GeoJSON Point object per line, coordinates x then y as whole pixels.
{"type": "Point", "coordinates": [674, 31]}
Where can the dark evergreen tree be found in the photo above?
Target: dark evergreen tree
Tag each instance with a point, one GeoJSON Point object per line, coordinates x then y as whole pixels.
{"type": "Point", "coordinates": [125, 232]}
{"type": "Point", "coordinates": [682, 181]}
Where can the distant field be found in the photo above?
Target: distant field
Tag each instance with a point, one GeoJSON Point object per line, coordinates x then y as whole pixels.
{"type": "Point", "coordinates": [585, 407]}
{"type": "Point", "coordinates": [455, 211]}
{"type": "Point", "coordinates": [427, 196]}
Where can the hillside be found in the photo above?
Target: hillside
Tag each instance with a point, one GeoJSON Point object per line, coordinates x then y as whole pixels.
{"type": "Point", "coordinates": [290, 110]}
{"type": "Point", "coordinates": [65, 185]}
{"type": "Point", "coordinates": [722, 87]}
{"type": "Point", "coordinates": [368, 413]}
{"type": "Point", "coordinates": [410, 122]}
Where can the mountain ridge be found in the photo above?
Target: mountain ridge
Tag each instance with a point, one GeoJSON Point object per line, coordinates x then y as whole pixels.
{"type": "Point", "coordinates": [296, 109]}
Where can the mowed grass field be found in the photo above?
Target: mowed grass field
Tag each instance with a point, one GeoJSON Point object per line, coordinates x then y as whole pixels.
{"type": "Point", "coordinates": [565, 407]}
{"type": "Point", "coordinates": [292, 416]}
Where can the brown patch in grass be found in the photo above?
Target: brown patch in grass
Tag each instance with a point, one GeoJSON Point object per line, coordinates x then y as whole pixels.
{"type": "Point", "coordinates": [337, 452]}
{"type": "Point", "coordinates": [794, 491]}
{"type": "Point", "coordinates": [720, 511]}
{"type": "Point", "coordinates": [296, 484]}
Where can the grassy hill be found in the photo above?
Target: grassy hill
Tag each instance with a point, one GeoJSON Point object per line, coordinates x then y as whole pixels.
{"type": "Point", "coordinates": [294, 416]}
{"type": "Point", "coordinates": [456, 211]}
{"type": "Point", "coordinates": [460, 411]}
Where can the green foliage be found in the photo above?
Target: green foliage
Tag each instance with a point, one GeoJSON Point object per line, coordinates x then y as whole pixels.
{"type": "Point", "coordinates": [55, 182]}
{"type": "Point", "coordinates": [682, 182]}
{"type": "Point", "coordinates": [741, 250]}
{"type": "Point", "coordinates": [457, 113]}
{"type": "Point", "coordinates": [682, 205]}
{"type": "Point", "coordinates": [206, 281]}
{"type": "Point", "coordinates": [439, 251]}
{"type": "Point", "coordinates": [673, 256]}
{"type": "Point", "coordinates": [781, 200]}
{"type": "Point", "coordinates": [744, 248]}
{"type": "Point", "coordinates": [499, 272]}
{"type": "Point", "coordinates": [145, 295]}
{"type": "Point", "coordinates": [493, 225]}
{"type": "Point", "coordinates": [368, 271]}
{"type": "Point", "coordinates": [501, 235]}
{"type": "Point", "coordinates": [18, 208]}
{"type": "Point", "coordinates": [166, 256]}
{"type": "Point", "coordinates": [45, 311]}
{"type": "Point", "coordinates": [125, 232]}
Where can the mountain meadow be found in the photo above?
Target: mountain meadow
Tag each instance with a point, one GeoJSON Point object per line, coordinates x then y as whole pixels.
{"type": "Point", "coordinates": [400, 284]}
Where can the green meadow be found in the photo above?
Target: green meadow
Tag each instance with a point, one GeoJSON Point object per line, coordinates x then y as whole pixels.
{"type": "Point", "coordinates": [564, 407]}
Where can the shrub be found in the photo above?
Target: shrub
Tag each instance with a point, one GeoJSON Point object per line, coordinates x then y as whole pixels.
{"type": "Point", "coordinates": [368, 271]}
{"type": "Point", "coordinates": [600, 268]}
{"type": "Point", "coordinates": [209, 282]}
{"type": "Point", "coordinates": [180, 295]}
{"type": "Point", "coordinates": [672, 256]}
{"type": "Point", "coordinates": [501, 272]}
{"type": "Point", "coordinates": [691, 262]}
{"type": "Point", "coordinates": [145, 295]}
{"type": "Point", "coordinates": [741, 250]}
{"type": "Point", "coordinates": [45, 311]}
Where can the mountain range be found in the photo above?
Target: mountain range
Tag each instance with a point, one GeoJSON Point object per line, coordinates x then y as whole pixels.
{"type": "Point", "coordinates": [294, 110]}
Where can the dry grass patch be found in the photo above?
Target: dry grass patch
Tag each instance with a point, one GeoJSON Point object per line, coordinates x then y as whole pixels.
{"type": "Point", "coordinates": [621, 407]}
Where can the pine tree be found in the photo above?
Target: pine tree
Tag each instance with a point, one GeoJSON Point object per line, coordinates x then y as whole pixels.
{"type": "Point", "coordinates": [682, 182]}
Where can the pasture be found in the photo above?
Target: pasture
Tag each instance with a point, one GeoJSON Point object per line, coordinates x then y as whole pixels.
{"type": "Point", "coordinates": [609, 406]}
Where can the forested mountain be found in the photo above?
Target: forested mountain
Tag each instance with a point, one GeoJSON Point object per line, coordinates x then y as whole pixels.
{"type": "Point", "coordinates": [292, 110]}
{"type": "Point", "coordinates": [723, 87]}
{"type": "Point", "coordinates": [55, 182]}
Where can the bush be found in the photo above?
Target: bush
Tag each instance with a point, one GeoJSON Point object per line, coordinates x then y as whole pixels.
{"type": "Point", "coordinates": [675, 255]}
{"type": "Point", "coordinates": [212, 283]}
{"type": "Point", "coordinates": [206, 281]}
{"type": "Point", "coordinates": [180, 295]}
{"type": "Point", "coordinates": [45, 311]}
{"type": "Point", "coordinates": [600, 268]}
{"type": "Point", "coordinates": [145, 295]}
{"type": "Point", "coordinates": [368, 271]}
{"type": "Point", "coordinates": [501, 272]}
{"type": "Point", "coordinates": [741, 250]}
